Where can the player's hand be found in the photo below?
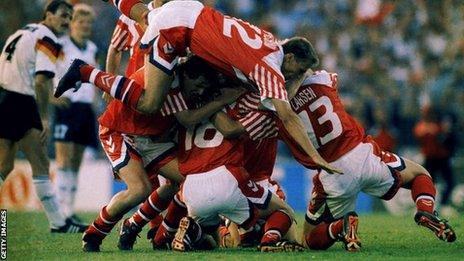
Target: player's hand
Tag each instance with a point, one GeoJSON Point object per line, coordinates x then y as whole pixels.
{"type": "Point", "coordinates": [61, 102]}
{"type": "Point", "coordinates": [326, 166]}
{"type": "Point", "coordinates": [106, 97]}
{"type": "Point", "coordinates": [229, 95]}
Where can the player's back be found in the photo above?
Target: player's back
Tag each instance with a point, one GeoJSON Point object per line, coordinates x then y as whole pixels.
{"type": "Point", "coordinates": [204, 148]}
{"type": "Point", "coordinates": [330, 128]}
{"type": "Point", "coordinates": [19, 62]}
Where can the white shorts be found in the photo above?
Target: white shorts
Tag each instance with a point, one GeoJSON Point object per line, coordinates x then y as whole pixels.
{"type": "Point", "coordinates": [365, 168]}
{"type": "Point", "coordinates": [119, 148]}
{"type": "Point", "coordinates": [213, 194]}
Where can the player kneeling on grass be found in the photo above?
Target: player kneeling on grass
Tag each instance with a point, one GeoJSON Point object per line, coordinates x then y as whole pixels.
{"type": "Point", "coordinates": [366, 167]}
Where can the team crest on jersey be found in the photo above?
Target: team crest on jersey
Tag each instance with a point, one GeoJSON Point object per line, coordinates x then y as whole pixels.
{"type": "Point", "coordinates": [168, 49]}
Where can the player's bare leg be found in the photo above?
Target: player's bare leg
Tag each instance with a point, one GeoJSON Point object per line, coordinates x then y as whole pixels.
{"type": "Point", "coordinates": [36, 154]}
{"type": "Point", "coordinates": [7, 155]}
{"type": "Point", "coordinates": [418, 179]}
{"type": "Point", "coordinates": [157, 202]}
{"type": "Point", "coordinates": [68, 160]}
{"type": "Point", "coordinates": [146, 99]}
{"type": "Point", "coordinates": [138, 188]}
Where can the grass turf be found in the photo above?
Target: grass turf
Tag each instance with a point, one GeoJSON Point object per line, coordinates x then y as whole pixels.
{"type": "Point", "coordinates": [384, 237]}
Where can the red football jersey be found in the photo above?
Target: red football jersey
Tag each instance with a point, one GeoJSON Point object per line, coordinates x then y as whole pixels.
{"type": "Point", "coordinates": [122, 118]}
{"type": "Point", "coordinates": [332, 131]}
{"type": "Point", "coordinates": [231, 45]}
{"type": "Point", "coordinates": [260, 143]}
{"type": "Point", "coordinates": [126, 37]}
{"type": "Point", "coordinates": [204, 148]}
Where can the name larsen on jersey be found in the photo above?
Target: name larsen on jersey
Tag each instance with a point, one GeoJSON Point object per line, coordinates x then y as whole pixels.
{"type": "Point", "coordinates": [302, 97]}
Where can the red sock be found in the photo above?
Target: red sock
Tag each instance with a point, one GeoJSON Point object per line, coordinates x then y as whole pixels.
{"type": "Point", "coordinates": [156, 222]}
{"type": "Point", "coordinates": [277, 225]}
{"type": "Point", "coordinates": [151, 208]}
{"type": "Point", "coordinates": [320, 237]}
{"type": "Point", "coordinates": [119, 87]}
{"type": "Point", "coordinates": [423, 193]}
{"type": "Point", "coordinates": [175, 212]}
{"type": "Point", "coordinates": [103, 224]}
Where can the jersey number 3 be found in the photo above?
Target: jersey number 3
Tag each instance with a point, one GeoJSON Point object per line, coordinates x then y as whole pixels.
{"type": "Point", "coordinates": [328, 116]}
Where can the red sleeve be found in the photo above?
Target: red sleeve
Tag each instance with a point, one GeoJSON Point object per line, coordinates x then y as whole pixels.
{"type": "Point", "coordinates": [121, 38]}
{"type": "Point", "coordinates": [125, 5]}
{"type": "Point", "coordinates": [259, 125]}
{"type": "Point", "coordinates": [174, 103]}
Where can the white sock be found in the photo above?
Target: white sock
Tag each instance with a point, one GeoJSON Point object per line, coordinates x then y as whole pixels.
{"type": "Point", "coordinates": [49, 201]}
{"type": "Point", "coordinates": [66, 185]}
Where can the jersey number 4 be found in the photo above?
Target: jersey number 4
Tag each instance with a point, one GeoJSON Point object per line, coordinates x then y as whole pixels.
{"type": "Point", "coordinates": [328, 116]}
{"type": "Point", "coordinates": [11, 47]}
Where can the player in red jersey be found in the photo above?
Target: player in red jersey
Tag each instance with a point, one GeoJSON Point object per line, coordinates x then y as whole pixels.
{"type": "Point", "coordinates": [342, 142]}
{"type": "Point", "coordinates": [219, 160]}
{"type": "Point", "coordinates": [136, 143]}
{"type": "Point", "coordinates": [231, 45]}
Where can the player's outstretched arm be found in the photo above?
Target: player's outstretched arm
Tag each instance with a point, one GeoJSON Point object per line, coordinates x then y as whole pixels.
{"type": "Point", "coordinates": [295, 128]}
{"type": "Point", "coordinates": [157, 84]}
{"type": "Point", "coordinates": [191, 118]}
{"type": "Point", "coordinates": [227, 126]}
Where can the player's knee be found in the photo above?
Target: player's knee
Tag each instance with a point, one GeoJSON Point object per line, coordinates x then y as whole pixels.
{"type": "Point", "coordinates": [140, 191]}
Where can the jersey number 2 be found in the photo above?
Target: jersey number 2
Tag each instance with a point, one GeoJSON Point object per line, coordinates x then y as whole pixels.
{"type": "Point", "coordinates": [11, 47]}
{"type": "Point", "coordinates": [329, 115]}
{"type": "Point", "coordinates": [229, 22]}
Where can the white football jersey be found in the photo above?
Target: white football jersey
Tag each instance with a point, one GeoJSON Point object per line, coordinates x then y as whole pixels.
{"type": "Point", "coordinates": [31, 50]}
{"type": "Point", "coordinates": [71, 51]}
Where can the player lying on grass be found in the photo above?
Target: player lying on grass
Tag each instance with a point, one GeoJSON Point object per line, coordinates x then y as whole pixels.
{"type": "Point", "coordinates": [222, 41]}
{"type": "Point", "coordinates": [366, 167]}
{"type": "Point", "coordinates": [136, 144]}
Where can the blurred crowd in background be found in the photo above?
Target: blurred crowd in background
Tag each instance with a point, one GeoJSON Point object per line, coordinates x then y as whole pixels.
{"type": "Point", "coordinates": [400, 63]}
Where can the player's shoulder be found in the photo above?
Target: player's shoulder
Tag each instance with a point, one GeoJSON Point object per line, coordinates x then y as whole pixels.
{"type": "Point", "coordinates": [92, 47]}
{"type": "Point", "coordinates": [321, 78]}
{"type": "Point", "coordinates": [42, 32]}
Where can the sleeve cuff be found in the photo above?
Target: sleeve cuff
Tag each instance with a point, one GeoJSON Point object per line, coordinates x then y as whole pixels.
{"type": "Point", "coordinates": [48, 74]}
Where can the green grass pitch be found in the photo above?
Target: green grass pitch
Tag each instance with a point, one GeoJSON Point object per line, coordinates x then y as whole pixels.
{"type": "Point", "coordinates": [384, 237]}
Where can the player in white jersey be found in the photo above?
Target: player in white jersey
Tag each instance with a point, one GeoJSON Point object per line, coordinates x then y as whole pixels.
{"type": "Point", "coordinates": [27, 66]}
{"type": "Point", "coordinates": [74, 126]}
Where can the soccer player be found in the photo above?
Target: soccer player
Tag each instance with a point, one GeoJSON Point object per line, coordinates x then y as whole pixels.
{"type": "Point", "coordinates": [366, 167]}
{"type": "Point", "coordinates": [74, 125]}
{"type": "Point", "coordinates": [27, 67]}
{"type": "Point", "coordinates": [231, 45]}
{"type": "Point", "coordinates": [136, 144]}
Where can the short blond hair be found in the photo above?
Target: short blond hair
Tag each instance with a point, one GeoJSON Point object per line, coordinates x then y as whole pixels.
{"type": "Point", "coordinates": [83, 10]}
